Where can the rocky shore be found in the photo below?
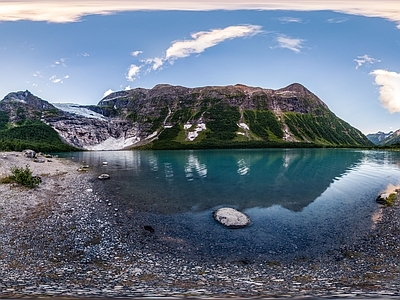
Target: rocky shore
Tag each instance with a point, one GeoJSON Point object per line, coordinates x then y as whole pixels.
{"type": "Point", "coordinates": [65, 238]}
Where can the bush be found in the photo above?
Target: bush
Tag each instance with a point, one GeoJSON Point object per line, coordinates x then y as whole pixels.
{"type": "Point", "coordinates": [391, 199]}
{"type": "Point", "coordinates": [22, 176]}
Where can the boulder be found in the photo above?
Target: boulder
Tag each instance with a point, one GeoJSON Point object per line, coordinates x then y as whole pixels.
{"type": "Point", "coordinates": [29, 153]}
{"type": "Point", "coordinates": [104, 176]}
{"type": "Point", "coordinates": [387, 199]}
{"type": "Point", "coordinates": [231, 217]}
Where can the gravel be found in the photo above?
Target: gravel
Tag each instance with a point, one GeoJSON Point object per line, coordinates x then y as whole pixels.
{"type": "Point", "coordinates": [65, 238]}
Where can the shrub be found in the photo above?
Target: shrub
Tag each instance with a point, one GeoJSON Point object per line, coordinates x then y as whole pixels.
{"type": "Point", "coordinates": [391, 199]}
{"type": "Point", "coordinates": [22, 176]}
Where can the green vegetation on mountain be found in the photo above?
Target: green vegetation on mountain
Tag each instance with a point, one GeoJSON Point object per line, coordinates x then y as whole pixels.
{"type": "Point", "coordinates": [264, 124]}
{"type": "Point", "coordinates": [325, 129]}
{"type": "Point", "coordinates": [175, 117]}
{"type": "Point", "coordinates": [33, 135]}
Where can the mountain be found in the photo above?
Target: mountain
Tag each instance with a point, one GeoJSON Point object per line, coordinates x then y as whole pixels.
{"type": "Point", "coordinates": [385, 139]}
{"type": "Point", "coordinates": [177, 117]}
{"type": "Point", "coordinates": [379, 138]}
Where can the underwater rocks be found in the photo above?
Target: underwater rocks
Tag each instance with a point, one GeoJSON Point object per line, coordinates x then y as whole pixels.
{"type": "Point", "coordinates": [231, 218]}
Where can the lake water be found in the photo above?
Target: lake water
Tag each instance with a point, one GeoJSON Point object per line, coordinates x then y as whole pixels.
{"type": "Point", "coordinates": [302, 202]}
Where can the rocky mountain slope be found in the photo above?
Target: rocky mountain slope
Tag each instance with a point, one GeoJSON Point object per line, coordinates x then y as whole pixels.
{"type": "Point", "coordinates": [385, 139]}
{"type": "Point", "coordinates": [177, 117]}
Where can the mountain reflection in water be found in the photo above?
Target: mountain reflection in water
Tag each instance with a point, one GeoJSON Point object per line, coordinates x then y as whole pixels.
{"type": "Point", "coordinates": [299, 200]}
{"type": "Point", "coordinates": [179, 181]}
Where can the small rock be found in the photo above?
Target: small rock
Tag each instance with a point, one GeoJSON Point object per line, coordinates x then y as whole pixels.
{"type": "Point", "coordinates": [231, 217]}
{"type": "Point", "coordinates": [38, 160]}
{"type": "Point", "coordinates": [104, 176]}
{"type": "Point", "coordinates": [149, 228]}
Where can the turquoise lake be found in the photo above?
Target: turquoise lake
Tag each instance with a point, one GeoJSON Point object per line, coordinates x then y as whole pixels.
{"type": "Point", "coordinates": [302, 202]}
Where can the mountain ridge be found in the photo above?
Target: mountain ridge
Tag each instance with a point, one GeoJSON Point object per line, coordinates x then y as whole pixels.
{"type": "Point", "coordinates": [176, 117]}
{"type": "Point", "coordinates": [385, 139]}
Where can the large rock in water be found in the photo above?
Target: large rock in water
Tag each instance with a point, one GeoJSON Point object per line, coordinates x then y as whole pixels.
{"type": "Point", "coordinates": [231, 217]}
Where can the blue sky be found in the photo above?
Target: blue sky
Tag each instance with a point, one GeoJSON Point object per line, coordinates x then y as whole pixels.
{"type": "Point", "coordinates": [346, 52]}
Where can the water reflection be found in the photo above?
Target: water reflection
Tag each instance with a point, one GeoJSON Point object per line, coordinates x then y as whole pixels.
{"type": "Point", "coordinates": [194, 168]}
{"type": "Point", "coordinates": [292, 178]}
{"type": "Point", "coordinates": [299, 200]}
{"type": "Point", "coordinates": [243, 167]}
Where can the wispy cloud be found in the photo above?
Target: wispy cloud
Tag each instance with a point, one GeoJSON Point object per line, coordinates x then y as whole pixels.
{"type": "Point", "coordinates": [199, 42]}
{"type": "Point", "coordinates": [133, 72]}
{"type": "Point", "coordinates": [290, 43]}
{"type": "Point", "coordinates": [55, 79]}
{"type": "Point", "coordinates": [37, 74]}
{"type": "Point", "coordinates": [365, 59]}
{"type": "Point", "coordinates": [336, 20]}
{"type": "Point", "coordinates": [60, 62]}
{"type": "Point", "coordinates": [290, 20]}
{"type": "Point", "coordinates": [389, 91]}
{"type": "Point", "coordinates": [205, 39]}
{"type": "Point", "coordinates": [74, 10]}
{"type": "Point", "coordinates": [136, 53]}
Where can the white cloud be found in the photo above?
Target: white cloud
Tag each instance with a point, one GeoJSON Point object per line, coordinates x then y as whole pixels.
{"type": "Point", "coordinates": [60, 62]}
{"type": "Point", "coordinates": [290, 20]}
{"type": "Point", "coordinates": [156, 62]}
{"type": "Point", "coordinates": [74, 10]}
{"type": "Point", "coordinates": [200, 41]}
{"type": "Point", "coordinates": [133, 72]}
{"type": "Point", "coordinates": [108, 92]}
{"type": "Point", "coordinates": [136, 53]}
{"type": "Point", "coordinates": [37, 74]}
{"type": "Point", "coordinates": [205, 39]}
{"type": "Point", "coordinates": [54, 79]}
{"type": "Point", "coordinates": [290, 43]}
{"type": "Point", "coordinates": [336, 20]}
{"type": "Point", "coordinates": [365, 59]}
{"type": "Point", "coordinates": [389, 91]}
{"type": "Point", "coordinates": [127, 88]}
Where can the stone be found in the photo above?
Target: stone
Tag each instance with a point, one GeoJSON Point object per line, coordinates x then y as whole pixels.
{"type": "Point", "coordinates": [39, 160]}
{"type": "Point", "coordinates": [104, 176]}
{"type": "Point", "coordinates": [231, 217]}
{"type": "Point", "coordinates": [382, 198]}
{"type": "Point", "coordinates": [149, 228]}
{"type": "Point", "coordinates": [29, 153]}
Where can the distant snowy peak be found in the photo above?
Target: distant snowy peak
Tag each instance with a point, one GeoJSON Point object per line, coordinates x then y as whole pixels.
{"type": "Point", "coordinates": [79, 110]}
{"type": "Point", "coordinates": [380, 138]}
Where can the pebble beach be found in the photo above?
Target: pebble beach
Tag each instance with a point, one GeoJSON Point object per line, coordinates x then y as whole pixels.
{"type": "Point", "coordinates": [65, 238]}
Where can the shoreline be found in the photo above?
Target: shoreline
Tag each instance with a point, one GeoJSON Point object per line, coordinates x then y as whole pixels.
{"type": "Point", "coordinates": [66, 239]}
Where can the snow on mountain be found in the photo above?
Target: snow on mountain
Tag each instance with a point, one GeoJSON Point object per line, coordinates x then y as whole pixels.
{"type": "Point", "coordinates": [79, 110]}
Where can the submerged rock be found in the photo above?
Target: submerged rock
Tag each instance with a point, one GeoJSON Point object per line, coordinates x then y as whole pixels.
{"type": "Point", "coordinates": [231, 217]}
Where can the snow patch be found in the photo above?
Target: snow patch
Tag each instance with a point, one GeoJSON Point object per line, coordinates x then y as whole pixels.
{"type": "Point", "coordinates": [78, 110]}
{"type": "Point", "coordinates": [152, 135]}
{"type": "Point", "coordinates": [114, 144]}
{"type": "Point", "coordinates": [243, 126]}
{"type": "Point", "coordinates": [192, 135]}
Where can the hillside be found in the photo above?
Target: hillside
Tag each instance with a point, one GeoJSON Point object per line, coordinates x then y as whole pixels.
{"type": "Point", "coordinates": [385, 139]}
{"type": "Point", "coordinates": [175, 117]}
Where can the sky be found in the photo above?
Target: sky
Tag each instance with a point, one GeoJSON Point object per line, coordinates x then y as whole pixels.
{"type": "Point", "coordinates": [78, 51]}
